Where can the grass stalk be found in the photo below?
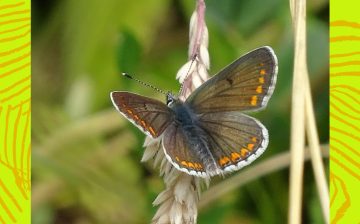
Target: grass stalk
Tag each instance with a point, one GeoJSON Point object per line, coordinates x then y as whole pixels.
{"type": "Point", "coordinates": [314, 148]}
{"type": "Point", "coordinates": [297, 138]}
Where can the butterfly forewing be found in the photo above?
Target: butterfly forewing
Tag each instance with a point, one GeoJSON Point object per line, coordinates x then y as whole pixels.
{"type": "Point", "coordinates": [245, 84]}
{"type": "Point", "coordinates": [235, 139]}
{"type": "Point", "coordinates": [149, 115]}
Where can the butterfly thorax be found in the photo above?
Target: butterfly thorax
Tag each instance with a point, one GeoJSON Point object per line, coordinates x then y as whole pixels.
{"type": "Point", "coordinates": [195, 135]}
{"type": "Point", "coordinates": [184, 116]}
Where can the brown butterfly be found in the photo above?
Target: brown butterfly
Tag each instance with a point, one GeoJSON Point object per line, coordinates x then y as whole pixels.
{"type": "Point", "coordinates": [208, 134]}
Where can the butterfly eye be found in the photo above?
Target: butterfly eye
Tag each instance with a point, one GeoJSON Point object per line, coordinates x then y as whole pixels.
{"type": "Point", "coordinates": [169, 99]}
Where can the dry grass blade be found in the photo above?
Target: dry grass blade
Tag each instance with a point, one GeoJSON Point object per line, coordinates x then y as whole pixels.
{"type": "Point", "coordinates": [303, 113]}
{"type": "Point", "coordinates": [314, 148]}
{"type": "Point", "coordinates": [297, 138]}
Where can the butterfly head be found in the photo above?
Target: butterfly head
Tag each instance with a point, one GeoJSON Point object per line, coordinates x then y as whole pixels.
{"type": "Point", "coordinates": [170, 99]}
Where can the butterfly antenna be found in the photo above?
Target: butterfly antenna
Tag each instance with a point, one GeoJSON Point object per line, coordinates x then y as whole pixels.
{"type": "Point", "coordinates": [143, 83]}
{"type": "Point", "coordinates": [188, 72]}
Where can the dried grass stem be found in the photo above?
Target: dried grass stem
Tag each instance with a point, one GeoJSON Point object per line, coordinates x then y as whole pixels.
{"type": "Point", "coordinates": [303, 116]}
{"type": "Point", "coordinates": [297, 138]}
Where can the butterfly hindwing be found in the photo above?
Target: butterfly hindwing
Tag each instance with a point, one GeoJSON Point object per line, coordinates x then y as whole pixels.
{"type": "Point", "coordinates": [245, 84]}
{"type": "Point", "coordinates": [149, 115]}
{"type": "Point", "coordinates": [179, 153]}
{"type": "Point", "coordinates": [235, 139]}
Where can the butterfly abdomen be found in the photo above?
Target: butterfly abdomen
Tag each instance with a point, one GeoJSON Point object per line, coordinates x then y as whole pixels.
{"type": "Point", "coordinates": [196, 137]}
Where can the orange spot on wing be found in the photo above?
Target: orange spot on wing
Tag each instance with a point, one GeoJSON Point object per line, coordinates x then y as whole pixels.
{"type": "Point", "coordinates": [143, 123]}
{"type": "Point", "coordinates": [261, 64]}
{"type": "Point", "coordinates": [259, 89]}
{"type": "Point", "coordinates": [184, 163]}
{"type": "Point", "coordinates": [261, 80]}
{"type": "Point", "coordinates": [250, 147]}
{"type": "Point", "coordinates": [136, 117]}
{"type": "Point", "coordinates": [243, 152]}
{"type": "Point", "coordinates": [262, 72]}
{"type": "Point", "coordinates": [191, 165]}
{"type": "Point", "coordinates": [253, 139]}
{"type": "Point", "coordinates": [177, 158]}
{"type": "Point", "coordinates": [154, 134]}
{"type": "Point", "coordinates": [122, 102]}
{"type": "Point", "coordinates": [253, 100]}
{"type": "Point", "coordinates": [129, 111]}
{"type": "Point", "coordinates": [235, 156]}
{"type": "Point", "coordinates": [224, 161]}
{"type": "Point", "coordinates": [196, 165]}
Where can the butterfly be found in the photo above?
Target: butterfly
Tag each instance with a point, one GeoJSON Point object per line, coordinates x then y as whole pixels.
{"type": "Point", "coordinates": [207, 134]}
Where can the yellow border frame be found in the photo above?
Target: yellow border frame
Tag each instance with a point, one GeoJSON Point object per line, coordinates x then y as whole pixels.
{"type": "Point", "coordinates": [344, 111]}
{"type": "Point", "coordinates": [15, 111]}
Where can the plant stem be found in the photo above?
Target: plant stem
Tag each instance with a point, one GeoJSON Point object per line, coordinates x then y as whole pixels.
{"type": "Point", "coordinates": [314, 148]}
{"type": "Point", "coordinates": [297, 138]}
{"type": "Point", "coordinates": [200, 10]}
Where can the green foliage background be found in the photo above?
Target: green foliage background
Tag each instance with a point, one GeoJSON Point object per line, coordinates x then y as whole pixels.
{"type": "Point", "coordinates": [86, 158]}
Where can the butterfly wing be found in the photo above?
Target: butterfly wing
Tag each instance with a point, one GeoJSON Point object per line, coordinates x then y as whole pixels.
{"type": "Point", "coordinates": [235, 139]}
{"type": "Point", "coordinates": [177, 151]}
{"type": "Point", "coordinates": [149, 115]}
{"type": "Point", "coordinates": [245, 84]}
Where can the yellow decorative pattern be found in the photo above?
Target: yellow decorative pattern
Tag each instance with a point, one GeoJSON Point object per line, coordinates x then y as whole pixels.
{"type": "Point", "coordinates": [344, 111]}
{"type": "Point", "coordinates": [15, 112]}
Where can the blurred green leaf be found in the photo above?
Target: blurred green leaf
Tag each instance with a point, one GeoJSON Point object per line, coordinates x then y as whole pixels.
{"type": "Point", "coordinates": [129, 52]}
